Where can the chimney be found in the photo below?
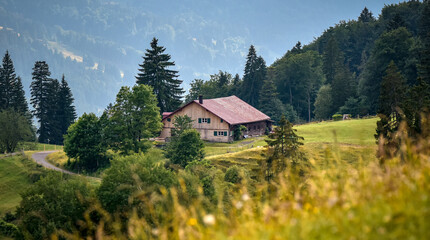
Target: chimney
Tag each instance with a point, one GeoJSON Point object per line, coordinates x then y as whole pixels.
{"type": "Point", "coordinates": [201, 99]}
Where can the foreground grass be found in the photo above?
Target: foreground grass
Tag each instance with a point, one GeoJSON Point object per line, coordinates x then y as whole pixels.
{"type": "Point", "coordinates": [335, 200]}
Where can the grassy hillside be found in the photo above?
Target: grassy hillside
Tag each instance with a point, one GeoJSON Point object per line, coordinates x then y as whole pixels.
{"type": "Point", "coordinates": [356, 131]}
{"type": "Point", "coordinates": [16, 174]}
{"type": "Point", "coordinates": [349, 141]}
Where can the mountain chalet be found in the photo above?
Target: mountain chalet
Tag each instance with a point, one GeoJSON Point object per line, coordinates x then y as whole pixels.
{"type": "Point", "coordinates": [216, 118]}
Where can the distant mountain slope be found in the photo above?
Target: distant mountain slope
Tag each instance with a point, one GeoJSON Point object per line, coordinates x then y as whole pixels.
{"type": "Point", "coordinates": [94, 43]}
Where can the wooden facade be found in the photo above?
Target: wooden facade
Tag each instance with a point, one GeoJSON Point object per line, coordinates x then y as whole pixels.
{"type": "Point", "coordinates": [210, 125]}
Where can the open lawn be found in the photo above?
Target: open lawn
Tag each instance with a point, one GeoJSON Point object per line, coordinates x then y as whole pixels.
{"type": "Point", "coordinates": [356, 131]}
{"type": "Point", "coordinates": [349, 141]}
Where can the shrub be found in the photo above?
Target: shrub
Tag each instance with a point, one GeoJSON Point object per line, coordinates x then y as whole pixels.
{"type": "Point", "coordinates": [185, 148]}
{"type": "Point", "coordinates": [8, 229]}
{"type": "Point", "coordinates": [234, 174]}
{"type": "Point", "coordinates": [337, 117]}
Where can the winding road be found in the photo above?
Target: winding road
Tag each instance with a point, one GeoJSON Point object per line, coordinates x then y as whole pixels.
{"type": "Point", "coordinates": [40, 158]}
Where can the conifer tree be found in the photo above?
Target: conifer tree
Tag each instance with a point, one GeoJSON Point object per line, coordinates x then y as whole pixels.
{"type": "Point", "coordinates": [332, 58]}
{"type": "Point", "coordinates": [391, 99]}
{"type": "Point", "coordinates": [393, 89]}
{"type": "Point", "coordinates": [19, 101]}
{"type": "Point", "coordinates": [343, 87]}
{"type": "Point", "coordinates": [66, 113]}
{"type": "Point", "coordinates": [254, 75]}
{"type": "Point", "coordinates": [366, 15]}
{"type": "Point", "coordinates": [41, 88]}
{"type": "Point", "coordinates": [11, 91]}
{"type": "Point", "coordinates": [283, 144]}
{"type": "Point", "coordinates": [269, 103]}
{"type": "Point", "coordinates": [7, 82]}
{"type": "Point", "coordinates": [424, 64]}
{"type": "Point", "coordinates": [155, 73]}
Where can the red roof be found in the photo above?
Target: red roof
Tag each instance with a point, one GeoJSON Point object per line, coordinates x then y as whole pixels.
{"type": "Point", "coordinates": [231, 109]}
{"type": "Point", "coordinates": [165, 114]}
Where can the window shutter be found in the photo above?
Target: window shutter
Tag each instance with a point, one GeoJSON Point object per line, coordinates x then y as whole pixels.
{"type": "Point", "coordinates": [200, 120]}
{"type": "Point", "coordinates": [225, 133]}
{"type": "Point", "coordinates": [215, 133]}
{"type": "Point", "coordinates": [209, 120]}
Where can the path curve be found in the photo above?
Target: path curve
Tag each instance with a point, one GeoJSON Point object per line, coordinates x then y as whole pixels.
{"type": "Point", "coordinates": [40, 158]}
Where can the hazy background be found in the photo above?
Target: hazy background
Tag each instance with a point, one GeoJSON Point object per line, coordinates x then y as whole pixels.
{"type": "Point", "coordinates": [98, 44]}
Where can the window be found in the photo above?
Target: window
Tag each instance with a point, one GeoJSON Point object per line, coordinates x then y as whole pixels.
{"type": "Point", "coordinates": [204, 120]}
{"type": "Point", "coordinates": [225, 133]}
{"type": "Point", "coordinates": [215, 133]}
{"type": "Point", "coordinates": [168, 119]}
{"type": "Point", "coordinates": [222, 121]}
{"type": "Point", "coordinates": [255, 127]}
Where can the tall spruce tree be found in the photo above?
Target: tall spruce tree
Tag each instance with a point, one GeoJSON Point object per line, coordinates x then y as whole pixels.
{"type": "Point", "coordinates": [19, 101]}
{"type": "Point", "coordinates": [391, 99]}
{"type": "Point", "coordinates": [269, 102]}
{"type": "Point", "coordinates": [66, 113]}
{"type": "Point", "coordinates": [11, 91]}
{"type": "Point", "coordinates": [155, 73]}
{"type": "Point", "coordinates": [343, 87]}
{"type": "Point", "coordinates": [366, 15]}
{"type": "Point", "coordinates": [7, 82]}
{"type": "Point", "coordinates": [424, 58]}
{"type": "Point", "coordinates": [332, 58]}
{"type": "Point", "coordinates": [254, 75]}
{"type": "Point", "coordinates": [41, 99]}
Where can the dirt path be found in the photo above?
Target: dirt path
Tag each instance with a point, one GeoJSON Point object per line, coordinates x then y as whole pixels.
{"type": "Point", "coordinates": [40, 158]}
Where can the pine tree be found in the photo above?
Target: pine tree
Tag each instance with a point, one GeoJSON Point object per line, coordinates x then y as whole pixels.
{"type": "Point", "coordinates": [155, 73]}
{"type": "Point", "coordinates": [366, 15]}
{"type": "Point", "coordinates": [269, 102]}
{"type": "Point", "coordinates": [255, 73]}
{"type": "Point", "coordinates": [332, 58]}
{"type": "Point", "coordinates": [343, 87]}
{"type": "Point", "coordinates": [424, 56]}
{"type": "Point", "coordinates": [391, 99]}
{"type": "Point", "coordinates": [41, 99]}
{"type": "Point", "coordinates": [396, 22]}
{"type": "Point", "coordinates": [8, 81]}
{"type": "Point", "coordinates": [12, 93]}
{"type": "Point", "coordinates": [66, 113]}
{"type": "Point", "coordinates": [393, 89]}
{"type": "Point", "coordinates": [283, 143]}
{"type": "Point", "coordinates": [19, 100]}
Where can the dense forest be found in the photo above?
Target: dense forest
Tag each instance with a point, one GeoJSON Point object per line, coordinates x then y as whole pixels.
{"type": "Point", "coordinates": [339, 72]}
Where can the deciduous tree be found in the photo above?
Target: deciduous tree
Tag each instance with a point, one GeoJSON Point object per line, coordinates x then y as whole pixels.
{"type": "Point", "coordinates": [134, 118]}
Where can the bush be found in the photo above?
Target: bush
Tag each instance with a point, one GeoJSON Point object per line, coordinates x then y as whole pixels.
{"type": "Point", "coordinates": [234, 174]}
{"type": "Point", "coordinates": [130, 174]}
{"type": "Point", "coordinates": [54, 202]}
{"type": "Point", "coordinates": [185, 148]}
{"type": "Point", "coordinates": [8, 229]}
{"type": "Point", "coordinates": [337, 117]}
